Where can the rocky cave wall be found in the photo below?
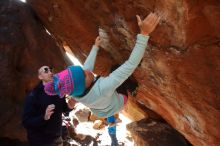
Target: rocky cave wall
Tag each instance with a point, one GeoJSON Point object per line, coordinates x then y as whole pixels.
{"type": "Point", "coordinates": [179, 75]}
{"type": "Point", "coordinates": [24, 47]}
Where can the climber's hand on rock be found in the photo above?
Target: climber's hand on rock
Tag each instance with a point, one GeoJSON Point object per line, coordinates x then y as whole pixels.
{"type": "Point", "coordinates": [148, 24]}
{"type": "Point", "coordinates": [98, 41]}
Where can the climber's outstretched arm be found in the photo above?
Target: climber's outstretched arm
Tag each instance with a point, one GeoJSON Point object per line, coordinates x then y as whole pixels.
{"type": "Point", "coordinates": [117, 77]}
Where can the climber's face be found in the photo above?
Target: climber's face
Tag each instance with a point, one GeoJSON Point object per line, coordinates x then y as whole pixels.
{"type": "Point", "coordinates": [89, 77]}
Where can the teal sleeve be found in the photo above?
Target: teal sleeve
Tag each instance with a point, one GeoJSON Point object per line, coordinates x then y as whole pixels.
{"type": "Point", "coordinates": [90, 60]}
{"type": "Point", "coordinates": [117, 77]}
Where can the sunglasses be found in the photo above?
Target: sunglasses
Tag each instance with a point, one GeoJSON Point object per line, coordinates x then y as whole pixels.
{"type": "Point", "coordinates": [47, 69]}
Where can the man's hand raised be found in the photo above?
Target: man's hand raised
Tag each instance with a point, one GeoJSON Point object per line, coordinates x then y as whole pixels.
{"type": "Point", "coordinates": [148, 24]}
{"type": "Point", "coordinates": [49, 111]}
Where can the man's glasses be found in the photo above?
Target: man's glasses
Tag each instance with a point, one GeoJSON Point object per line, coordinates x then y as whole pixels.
{"type": "Point", "coordinates": [47, 69]}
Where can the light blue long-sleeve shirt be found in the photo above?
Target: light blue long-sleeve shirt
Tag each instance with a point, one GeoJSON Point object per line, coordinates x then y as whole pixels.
{"type": "Point", "coordinates": [102, 99]}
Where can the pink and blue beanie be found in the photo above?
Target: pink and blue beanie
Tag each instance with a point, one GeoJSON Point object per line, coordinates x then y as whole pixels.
{"type": "Point", "coordinates": [70, 81]}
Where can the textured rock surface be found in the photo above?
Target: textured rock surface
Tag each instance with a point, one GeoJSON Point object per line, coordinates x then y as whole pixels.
{"type": "Point", "coordinates": [148, 132]}
{"type": "Point", "coordinates": [179, 77]}
{"type": "Point", "coordinates": [24, 47]}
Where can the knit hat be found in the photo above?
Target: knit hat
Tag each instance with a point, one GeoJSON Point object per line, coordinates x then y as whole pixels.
{"type": "Point", "coordinates": [49, 89]}
{"type": "Point", "coordinates": [70, 81]}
